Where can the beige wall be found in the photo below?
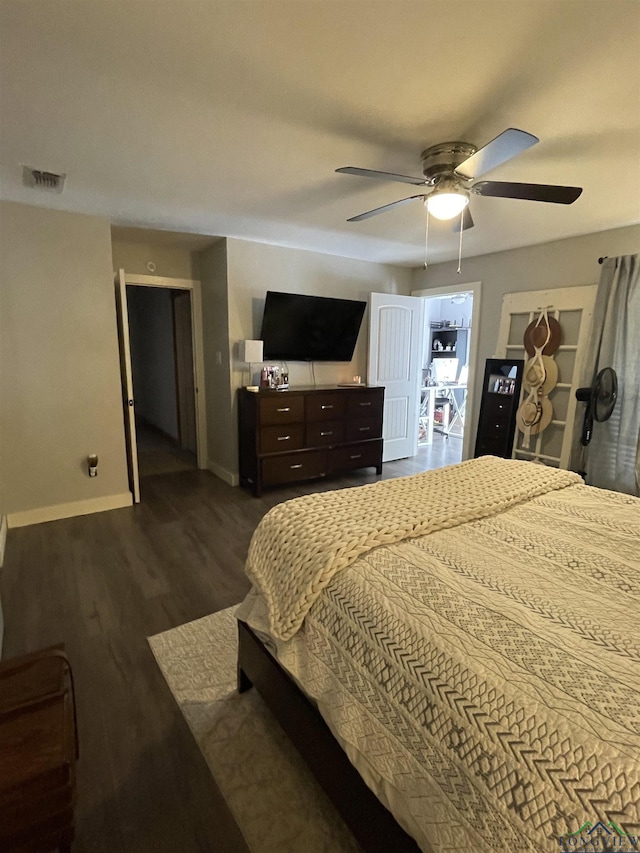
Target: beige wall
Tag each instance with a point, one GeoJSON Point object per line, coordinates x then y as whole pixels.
{"type": "Point", "coordinates": [564, 263]}
{"type": "Point", "coordinates": [221, 428]}
{"type": "Point", "coordinates": [170, 261]}
{"type": "Point", "coordinates": [60, 395]}
{"type": "Point", "coordinates": [254, 268]}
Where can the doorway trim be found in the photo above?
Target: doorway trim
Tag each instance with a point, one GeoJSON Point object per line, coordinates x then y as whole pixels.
{"type": "Point", "coordinates": [475, 289]}
{"type": "Point", "coordinates": [195, 288]}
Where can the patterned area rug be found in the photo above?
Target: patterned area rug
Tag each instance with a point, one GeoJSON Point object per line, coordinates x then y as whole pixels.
{"type": "Point", "coordinates": [272, 795]}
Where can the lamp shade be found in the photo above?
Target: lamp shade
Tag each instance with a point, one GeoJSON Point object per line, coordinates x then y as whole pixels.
{"type": "Point", "coordinates": [250, 351]}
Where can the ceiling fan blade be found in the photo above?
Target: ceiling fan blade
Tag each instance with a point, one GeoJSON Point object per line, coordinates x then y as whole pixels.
{"type": "Point", "coordinates": [384, 208]}
{"type": "Point", "coordinates": [505, 146]}
{"type": "Point", "coordinates": [529, 192]}
{"type": "Point", "coordinates": [383, 176]}
{"type": "Point", "coordinates": [467, 221]}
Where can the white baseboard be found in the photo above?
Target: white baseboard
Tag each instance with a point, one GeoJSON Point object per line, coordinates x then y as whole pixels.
{"type": "Point", "coordinates": [68, 510]}
{"type": "Point", "coordinates": [3, 539]}
{"type": "Point", "coordinates": [225, 475]}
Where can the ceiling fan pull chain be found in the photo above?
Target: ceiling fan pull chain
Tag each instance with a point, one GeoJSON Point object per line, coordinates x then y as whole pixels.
{"type": "Point", "coordinates": [426, 237]}
{"type": "Point", "coordinates": [460, 244]}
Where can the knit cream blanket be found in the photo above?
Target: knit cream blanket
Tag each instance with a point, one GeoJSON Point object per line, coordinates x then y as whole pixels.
{"type": "Point", "coordinates": [299, 545]}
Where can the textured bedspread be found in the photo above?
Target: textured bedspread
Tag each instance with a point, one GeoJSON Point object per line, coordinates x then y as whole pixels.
{"type": "Point", "coordinates": [300, 544]}
{"type": "Point", "coordinates": [485, 679]}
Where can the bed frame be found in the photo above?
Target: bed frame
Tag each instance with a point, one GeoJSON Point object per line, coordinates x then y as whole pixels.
{"type": "Point", "coordinates": [372, 825]}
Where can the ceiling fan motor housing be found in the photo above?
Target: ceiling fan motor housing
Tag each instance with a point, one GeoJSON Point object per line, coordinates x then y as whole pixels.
{"type": "Point", "coordinates": [443, 159]}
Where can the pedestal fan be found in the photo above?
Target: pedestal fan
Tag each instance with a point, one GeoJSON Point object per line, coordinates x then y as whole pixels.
{"type": "Point", "coordinates": [601, 401]}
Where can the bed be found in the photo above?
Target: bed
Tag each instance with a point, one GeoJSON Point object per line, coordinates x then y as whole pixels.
{"type": "Point", "coordinates": [470, 638]}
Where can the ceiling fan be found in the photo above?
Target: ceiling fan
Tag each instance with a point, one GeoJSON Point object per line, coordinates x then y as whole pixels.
{"type": "Point", "coordinates": [449, 169]}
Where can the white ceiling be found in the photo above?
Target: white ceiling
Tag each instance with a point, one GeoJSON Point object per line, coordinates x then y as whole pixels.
{"type": "Point", "coordinates": [229, 117]}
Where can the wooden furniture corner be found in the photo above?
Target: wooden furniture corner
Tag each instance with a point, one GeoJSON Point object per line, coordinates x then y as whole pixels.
{"type": "Point", "coordinates": [38, 752]}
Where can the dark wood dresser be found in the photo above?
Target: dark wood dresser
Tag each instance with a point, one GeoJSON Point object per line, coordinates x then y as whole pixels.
{"type": "Point", "coordinates": [307, 432]}
{"type": "Point", "coordinates": [38, 752]}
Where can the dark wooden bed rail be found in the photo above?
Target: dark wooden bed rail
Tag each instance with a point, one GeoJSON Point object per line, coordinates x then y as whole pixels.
{"type": "Point", "coordinates": [372, 825]}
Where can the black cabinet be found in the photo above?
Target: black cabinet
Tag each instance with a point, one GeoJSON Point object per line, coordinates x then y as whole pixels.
{"type": "Point", "coordinates": [500, 399]}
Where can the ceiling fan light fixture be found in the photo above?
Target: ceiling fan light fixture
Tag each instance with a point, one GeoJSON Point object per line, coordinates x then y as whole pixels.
{"type": "Point", "coordinates": [446, 205]}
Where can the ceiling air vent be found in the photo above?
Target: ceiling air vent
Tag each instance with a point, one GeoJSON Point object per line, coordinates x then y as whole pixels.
{"type": "Point", "coordinates": [41, 180]}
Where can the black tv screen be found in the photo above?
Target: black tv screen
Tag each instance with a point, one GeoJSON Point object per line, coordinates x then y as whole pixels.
{"type": "Point", "coordinates": [310, 328]}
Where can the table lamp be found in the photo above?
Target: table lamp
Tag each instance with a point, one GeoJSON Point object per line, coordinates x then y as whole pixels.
{"type": "Point", "coordinates": [251, 353]}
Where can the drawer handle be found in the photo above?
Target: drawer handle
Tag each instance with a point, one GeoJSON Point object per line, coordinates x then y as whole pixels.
{"type": "Point", "coordinates": [299, 465]}
{"type": "Point", "coordinates": [365, 404]}
{"type": "Point", "coordinates": [365, 429]}
{"type": "Point", "coordinates": [286, 409]}
{"type": "Point", "coordinates": [284, 437]}
{"type": "Point", "coordinates": [328, 406]}
{"type": "Point", "coordinates": [327, 432]}
{"type": "Point", "coordinates": [356, 456]}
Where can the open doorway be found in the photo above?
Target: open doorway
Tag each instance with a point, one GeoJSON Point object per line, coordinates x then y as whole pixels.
{"type": "Point", "coordinates": [169, 373]}
{"type": "Point", "coordinates": [160, 337]}
{"type": "Point", "coordinates": [448, 369]}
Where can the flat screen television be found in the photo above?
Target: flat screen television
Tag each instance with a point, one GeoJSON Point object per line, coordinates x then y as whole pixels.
{"type": "Point", "coordinates": [310, 328]}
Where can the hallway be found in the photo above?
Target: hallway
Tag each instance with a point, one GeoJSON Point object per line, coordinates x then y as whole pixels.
{"type": "Point", "coordinates": [159, 454]}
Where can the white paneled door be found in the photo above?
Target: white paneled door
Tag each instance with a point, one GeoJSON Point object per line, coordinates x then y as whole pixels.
{"type": "Point", "coordinates": [395, 361]}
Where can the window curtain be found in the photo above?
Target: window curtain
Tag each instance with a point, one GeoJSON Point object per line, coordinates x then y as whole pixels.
{"type": "Point", "coordinates": [613, 460]}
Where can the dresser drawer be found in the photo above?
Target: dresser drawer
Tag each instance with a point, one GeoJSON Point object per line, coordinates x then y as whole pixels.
{"type": "Point", "coordinates": [294, 466]}
{"type": "Point", "coordinates": [499, 409]}
{"type": "Point", "coordinates": [365, 404]}
{"type": "Point", "coordinates": [356, 456]}
{"type": "Point", "coordinates": [494, 445]}
{"type": "Point", "coordinates": [325, 432]}
{"type": "Point", "coordinates": [364, 428]}
{"type": "Point", "coordinates": [496, 436]}
{"type": "Point", "coordinates": [283, 409]}
{"type": "Point", "coordinates": [276, 439]}
{"type": "Point", "coordinates": [325, 407]}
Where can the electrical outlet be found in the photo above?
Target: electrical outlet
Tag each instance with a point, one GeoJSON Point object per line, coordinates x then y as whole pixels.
{"type": "Point", "coordinates": [218, 357]}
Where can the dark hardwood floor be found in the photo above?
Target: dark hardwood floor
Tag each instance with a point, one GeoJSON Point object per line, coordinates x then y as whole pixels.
{"type": "Point", "coordinates": [158, 453]}
{"type": "Point", "coordinates": [102, 584]}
